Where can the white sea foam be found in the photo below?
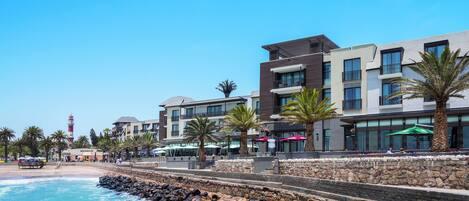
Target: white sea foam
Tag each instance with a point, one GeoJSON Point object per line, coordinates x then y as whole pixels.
{"type": "Point", "coordinates": [4, 190]}
{"type": "Point", "coordinates": [8, 182]}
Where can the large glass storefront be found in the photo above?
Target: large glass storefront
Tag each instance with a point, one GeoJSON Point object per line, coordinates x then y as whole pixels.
{"type": "Point", "coordinates": [290, 146]}
{"type": "Point", "coordinates": [373, 135]}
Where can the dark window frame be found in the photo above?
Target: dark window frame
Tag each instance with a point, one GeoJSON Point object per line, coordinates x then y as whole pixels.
{"type": "Point", "coordinates": [324, 72]}
{"type": "Point", "coordinates": [390, 51]}
{"type": "Point", "coordinates": [353, 71]}
{"type": "Point", "coordinates": [426, 46]}
{"type": "Point", "coordinates": [383, 97]}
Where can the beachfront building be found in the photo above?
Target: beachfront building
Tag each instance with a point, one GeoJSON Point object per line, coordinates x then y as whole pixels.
{"type": "Point", "coordinates": [83, 154]}
{"type": "Point", "coordinates": [357, 80]}
{"type": "Point", "coordinates": [127, 127]}
{"type": "Point", "coordinates": [178, 111]}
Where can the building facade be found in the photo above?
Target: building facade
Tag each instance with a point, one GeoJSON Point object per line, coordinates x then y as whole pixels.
{"type": "Point", "coordinates": [357, 80]}
{"type": "Point", "coordinates": [178, 111]}
{"type": "Point", "coordinates": [127, 127]}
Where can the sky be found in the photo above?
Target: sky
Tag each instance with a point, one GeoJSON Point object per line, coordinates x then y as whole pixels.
{"type": "Point", "coordinates": [100, 60]}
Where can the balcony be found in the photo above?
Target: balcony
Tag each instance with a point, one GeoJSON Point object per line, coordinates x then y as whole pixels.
{"type": "Point", "coordinates": [174, 118]}
{"type": "Point", "coordinates": [390, 103]}
{"type": "Point", "coordinates": [351, 75]}
{"type": "Point", "coordinates": [390, 71]}
{"type": "Point", "coordinates": [205, 114]}
{"type": "Point", "coordinates": [294, 83]}
{"type": "Point", "coordinates": [354, 104]}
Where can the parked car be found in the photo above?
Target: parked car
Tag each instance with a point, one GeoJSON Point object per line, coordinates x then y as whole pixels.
{"type": "Point", "coordinates": [30, 162]}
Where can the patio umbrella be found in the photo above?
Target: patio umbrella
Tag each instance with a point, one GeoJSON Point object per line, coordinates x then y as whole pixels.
{"type": "Point", "coordinates": [294, 138]}
{"type": "Point", "coordinates": [413, 131]}
{"type": "Point", "coordinates": [262, 139]}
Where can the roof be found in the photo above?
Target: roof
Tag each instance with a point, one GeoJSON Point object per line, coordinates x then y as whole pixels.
{"type": "Point", "coordinates": [299, 41]}
{"type": "Point", "coordinates": [174, 101]}
{"type": "Point", "coordinates": [126, 119]}
{"type": "Point", "coordinates": [218, 100]}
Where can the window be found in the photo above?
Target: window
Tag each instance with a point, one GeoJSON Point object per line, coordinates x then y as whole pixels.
{"type": "Point", "coordinates": [214, 110]}
{"type": "Point", "coordinates": [352, 70]}
{"type": "Point", "coordinates": [257, 107]}
{"type": "Point", "coordinates": [282, 100]}
{"type": "Point", "coordinates": [428, 98]}
{"type": "Point", "coordinates": [436, 48]}
{"type": "Point", "coordinates": [175, 115]}
{"type": "Point", "coordinates": [290, 79]}
{"type": "Point", "coordinates": [175, 130]}
{"type": "Point", "coordinates": [352, 98]}
{"type": "Point", "coordinates": [387, 90]}
{"type": "Point", "coordinates": [327, 139]}
{"type": "Point", "coordinates": [326, 74]}
{"type": "Point", "coordinates": [326, 93]}
{"type": "Point", "coordinates": [189, 112]}
{"type": "Point", "coordinates": [135, 129]}
{"type": "Point", "coordinates": [391, 62]}
{"type": "Point", "coordinates": [154, 126]}
{"type": "Point", "coordinates": [145, 127]}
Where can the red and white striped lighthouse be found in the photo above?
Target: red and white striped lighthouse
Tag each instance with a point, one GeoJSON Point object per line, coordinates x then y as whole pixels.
{"type": "Point", "coordinates": [70, 131]}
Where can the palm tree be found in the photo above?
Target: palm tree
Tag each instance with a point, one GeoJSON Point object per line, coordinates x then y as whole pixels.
{"type": "Point", "coordinates": [226, 87]}
{"type": "Point", "coordinates": [307, 108]}
{"type": "Point", "coordinates": [82, 142]}
{"type": "Point", "coordinates": [20, 143]}
{"type": "Point", "coordinates": [199, 130]}
{"type": "Point", "coordinates": [135, 143]}
{"type": "Point", "coordinates": [33, 134]}
{"type": "Point", "coordinates": [148, 142]}
{"type": "Point", "coordinates": [241, 119]}
{"type": "Point", "coordinates": [47, 143]}
{"type": "Point", "coordinates": [115, 148]}
{"type": "Point", "coordinates": [6, 135]}
{"type": "Point", "coordinates": [59, 137]}
{"type": "Point", "coordinates": [442, 77]}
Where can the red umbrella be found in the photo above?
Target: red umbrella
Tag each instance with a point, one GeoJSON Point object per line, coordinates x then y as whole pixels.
{"type": "Point", "coordinates": [262, 139]}
{"type": "Point", "coordinates": [294, 138]}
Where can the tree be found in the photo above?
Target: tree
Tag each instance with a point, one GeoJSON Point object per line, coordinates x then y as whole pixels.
{"type": "Point", "coordinates": [307, 108]}
{"type": "Point", "coordinates": [93, 138]}
{"type": "Point", "coordinates": [441, 78]}
{"type": "Point", "coordinates": [82, 142]}
{"type": "Point", "coordinates": [6, 135]}
{"type": "Point", "coordinates": [241, 119]}
{"type": "Point", "coordinates": [33, 135]}
{"type": "Point", "coordinates": [148, 142]}
{"type": "Point", "coordinates": [199, 130]}
{"type": "Point", "coordinates": [20, 144]}
{"type": "Point", "coordinates": [46, 143]}
{"type": "Point", "coordinates": [59, 138]}
{"type": "Point", "coordinates": [135, 143]}
{"type": "Point", "coordinates": [226, 87]}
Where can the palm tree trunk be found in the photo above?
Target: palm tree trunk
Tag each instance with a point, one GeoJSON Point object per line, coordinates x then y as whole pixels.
{"type": "Point", "coordinates": [202, 157]}
{"type": "Point", "coordinates": [243, 143]}
{"type": "Point", "coordinates": [148, 151]}
{"type": "Point", "coordinates": [309, 146]}
{"type": "Point", "coordinates": [60, 155]}
{"type": "Point", "coordinates": [47, 156]}
{"type": "Point", "coordinates": [440, 133]}
{"type": "Point", "coordinates": [6, 152]}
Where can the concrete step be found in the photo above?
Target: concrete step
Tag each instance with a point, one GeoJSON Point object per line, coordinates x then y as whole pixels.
{"type": "Point", "coordinates": [322, 193]}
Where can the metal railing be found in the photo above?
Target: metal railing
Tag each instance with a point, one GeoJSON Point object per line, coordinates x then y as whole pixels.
{"type": "Point", "coordinates": [174, 118]}
{"type": "Point", "coordinates": [390, 69]}
{"type": "Point", "coordinates": [352, 75]}
{"type": "Point", "coordinates": [174, 133]}
{"type": "Point", "coordinates": [385, 100]}
{"type": "Point", "coordinates": [205, 114]}
{"type": "Point", "coordinates": [354, 104]}
{"type": "Point", "coordinates": [294, 83]}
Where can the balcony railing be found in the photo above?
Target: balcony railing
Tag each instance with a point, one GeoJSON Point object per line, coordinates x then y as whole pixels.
{"type": "Point", "coordinates": [385, 100]}
{"type": "Point", "coordinates": [174, 133]}
{"type": "Point", "coordinates": [390, 69]}
{"type": "Point", "coordinates": [354, 104]}
{"type": "Point", "coordinates": [205, 114]}
{"type": "Point", "coordinates": [277, 110]}
{"type": "Point", "coordinates": [175, 118]}
{"type": "Point", "coordinates": [352, 75]}
{"type": "Point", "coordinates": [294, 83]}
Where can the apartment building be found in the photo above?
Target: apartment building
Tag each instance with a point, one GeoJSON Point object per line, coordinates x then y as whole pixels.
{"type": "Point", "coordinates": [357, 80]}
{"type": "Point", "coordinates": [178, 111]}
{"type": "Point", "coordinates": [127, 127]}
{"type": "Point", "coordinates": [293, 65]}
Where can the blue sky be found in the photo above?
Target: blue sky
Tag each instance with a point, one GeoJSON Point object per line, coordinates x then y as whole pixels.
{"type": "Point", "coordinates": [103, 59]}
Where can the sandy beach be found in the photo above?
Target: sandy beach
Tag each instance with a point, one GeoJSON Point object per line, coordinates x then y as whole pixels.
{"type": "Point", "coordinates": [13, 172]}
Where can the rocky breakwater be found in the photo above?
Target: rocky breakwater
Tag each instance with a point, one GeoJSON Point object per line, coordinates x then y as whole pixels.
{"type": "Point", "coordinates": [151, 190]}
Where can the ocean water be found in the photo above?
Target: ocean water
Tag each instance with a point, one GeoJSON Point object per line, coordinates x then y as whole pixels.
{"type": "Point", "coordinates": [58, 189]}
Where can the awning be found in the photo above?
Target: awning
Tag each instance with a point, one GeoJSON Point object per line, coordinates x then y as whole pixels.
{"type": "Point", "coordinates": [413, 131]}
{"type": "Point", "coordinates": [294, 138]}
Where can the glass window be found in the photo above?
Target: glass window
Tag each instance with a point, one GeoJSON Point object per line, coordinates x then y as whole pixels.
{"type": "Point", "coordinates": [189, 112]}
{"type": "Point", "coordinates": [326, 93]}
{"type": "Point", "coordinates": [135, 129]}
{"type": "Point", "coordinates": [397, 122]}
{"type": "Point", "coordinates": [452, 119]}
{"type": "Point", "coordinates": [175, 130]}
{"type": "Point", "coordinates": [326, 73]}
{"type": "Point", "coordinates": [465, 138]}
{"type": "Point", "coordinates": [389, 89]}
{"type": "Point", "coordinates": [391, 62]}
{"type": "Point", "coordinates": [424, 142]}
{"type": "Point", "coordinates": [175, 113]}
{"type": "Point", "coordinates": [465, 118]}
{"type": "Point", "coordinates": [411, 142]}
{"type": "Point", "coordinates": [372, 140]}
{"type": "Point", "coordinates": [349, 142]}
{"type": "Point", "coordinates": [410, 121]}
{"type": "Point", "coordinates": [425, 120]}
{"type": "Point", "coordinates": [386, 122]}
{"type": "Point", "coordinates": [361, 124]}
{"type": "Point", "coordinates": [290, 79]}
{"type": "Point", "coordinates": [352, 98]}
{"type": "Point", "coordinates": [372, 123]}
{"type": "Point", "coordinates": [327, 139]}
{"type": "Point", "coordinates": [352, 69]}
{"type": "Point", "coordinates": [396, 142]}
{"type": "Point", "coordinates": [436, 48]}
{"type": "Point", "coordinates": [384, 139]}
{"type": "Point", "coordinates": [361, 140]}
{"type": "Point", "coordinates": [283, 100]}
{"type": "Point", "coordinates": [214, 110]}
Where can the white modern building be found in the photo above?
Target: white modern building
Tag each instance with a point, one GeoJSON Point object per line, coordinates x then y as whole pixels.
{"type": "Point", "coordinates": [127, 127]}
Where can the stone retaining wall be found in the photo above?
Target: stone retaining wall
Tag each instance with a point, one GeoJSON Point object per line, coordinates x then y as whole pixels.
{"type": "Point", "coordinates": [427, 171]}
{"type": "Point", "coordinates": [240, 165]}
{"type": "Point", "coordinates": [250, 192]}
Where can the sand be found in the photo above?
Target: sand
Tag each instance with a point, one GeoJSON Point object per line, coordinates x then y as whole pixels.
{"type": "Point", "coordinates": [13, 172]}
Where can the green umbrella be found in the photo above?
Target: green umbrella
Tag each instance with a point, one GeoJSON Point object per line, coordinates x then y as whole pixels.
{"type": "Point", "coordinates": [413, 131]}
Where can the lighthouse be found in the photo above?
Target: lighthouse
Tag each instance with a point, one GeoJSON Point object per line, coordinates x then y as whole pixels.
{"type": "Point", "coordinates": [70, 131]}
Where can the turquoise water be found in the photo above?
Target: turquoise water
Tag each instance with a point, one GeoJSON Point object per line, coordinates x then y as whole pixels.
{"type": "Point", "coordinates": [58, 189]}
